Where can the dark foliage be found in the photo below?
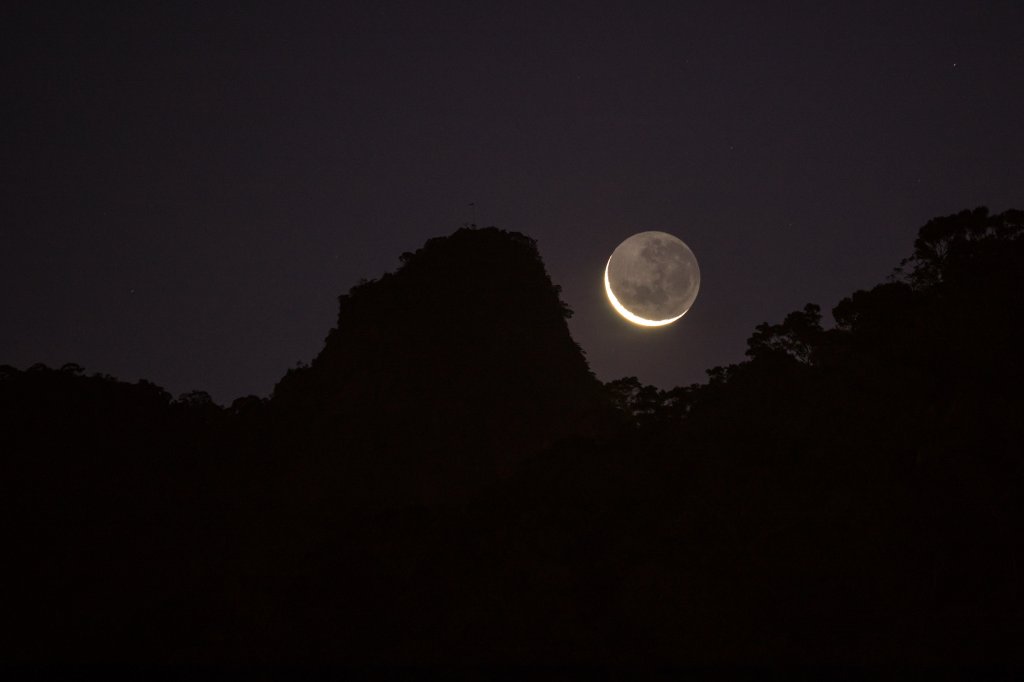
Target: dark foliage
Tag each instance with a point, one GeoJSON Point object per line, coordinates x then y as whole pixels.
{"type": "Point", "coordinates": [439, 378]}
{"type": "Point", "coordinates": [447, 482]}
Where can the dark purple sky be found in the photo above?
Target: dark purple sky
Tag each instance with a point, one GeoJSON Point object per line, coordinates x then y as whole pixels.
{"type": "Point", "coordinates": [187, 188]}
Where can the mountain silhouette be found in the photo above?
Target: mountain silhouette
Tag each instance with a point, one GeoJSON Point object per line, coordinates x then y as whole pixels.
{"type": "Point", "coordinates": [447, 482]}
{"type": "Point", "coordinates": [447, 373]}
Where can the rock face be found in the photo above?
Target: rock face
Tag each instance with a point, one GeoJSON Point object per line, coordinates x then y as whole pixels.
{"type": "Point", "coordinates": [447, 372]}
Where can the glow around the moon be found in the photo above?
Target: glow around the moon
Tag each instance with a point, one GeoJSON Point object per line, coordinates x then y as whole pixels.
{"type": "Point", "coordinates": [652, 279]}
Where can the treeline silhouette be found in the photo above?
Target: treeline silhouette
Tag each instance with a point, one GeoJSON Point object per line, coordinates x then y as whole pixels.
{"type": "Point", "coordinates": [448, 482]}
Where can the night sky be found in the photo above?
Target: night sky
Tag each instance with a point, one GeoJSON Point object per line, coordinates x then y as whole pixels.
{"type": "Point", "coordinates": [187, 188]}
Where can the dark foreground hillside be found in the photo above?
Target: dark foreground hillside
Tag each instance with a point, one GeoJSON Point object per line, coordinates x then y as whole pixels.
{"type": "Point", "coordinates": [447, 483]}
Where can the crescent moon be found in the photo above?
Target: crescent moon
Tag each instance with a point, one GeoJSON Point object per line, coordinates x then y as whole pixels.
{"type": "Point", "coordinates": [621, 309]}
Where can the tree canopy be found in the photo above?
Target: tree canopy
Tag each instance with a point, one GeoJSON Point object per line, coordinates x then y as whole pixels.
{"type": "Point", "coordinates": [424, 492]}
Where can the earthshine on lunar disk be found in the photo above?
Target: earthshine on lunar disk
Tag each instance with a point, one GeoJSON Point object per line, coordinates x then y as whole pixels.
{"type": "Point", "coordinates": [652, 279]}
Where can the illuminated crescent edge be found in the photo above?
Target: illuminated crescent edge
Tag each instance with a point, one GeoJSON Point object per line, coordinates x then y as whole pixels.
{"type": "Point", "coordinates": [621, 309]}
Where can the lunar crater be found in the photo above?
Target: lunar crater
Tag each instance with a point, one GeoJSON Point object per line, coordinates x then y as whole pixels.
{"type": "Point", "coordinates": [652, 278]}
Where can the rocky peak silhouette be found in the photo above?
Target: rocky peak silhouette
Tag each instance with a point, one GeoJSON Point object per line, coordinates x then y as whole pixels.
{"type": "Point", "coordinates": [460, 361]}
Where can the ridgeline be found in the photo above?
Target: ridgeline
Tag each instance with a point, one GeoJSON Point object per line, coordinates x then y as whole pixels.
{"type": "Point", "coordinates": [447, 482]}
